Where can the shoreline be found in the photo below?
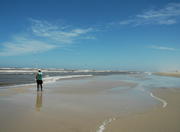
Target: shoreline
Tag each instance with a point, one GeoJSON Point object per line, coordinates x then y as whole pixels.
{"type": "Point", "coordinates": [52, 79]}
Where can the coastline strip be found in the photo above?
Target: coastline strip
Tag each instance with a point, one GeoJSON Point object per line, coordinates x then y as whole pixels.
{"type": "Point", "coordinates": [46, 80]}
{"type": "Point", "coordinates": [161, 100]}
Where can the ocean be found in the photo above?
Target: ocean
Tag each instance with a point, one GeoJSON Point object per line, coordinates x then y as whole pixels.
{"type": "Point", "coordinates": [26, 76]}
{"type": "Point", "coordinates": [20, 76]}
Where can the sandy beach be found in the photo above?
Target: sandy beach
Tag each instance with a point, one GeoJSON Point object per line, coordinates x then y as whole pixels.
{"type": "Point", "coordinates": [172, 74]}
{"type": "Point", "coordinates": [157, 119]}
{"type": "Point", "coordinates": [95, 104]}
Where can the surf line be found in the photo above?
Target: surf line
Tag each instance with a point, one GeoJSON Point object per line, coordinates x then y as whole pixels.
{"type": "Point", "coordinates": [161, 100]}
{"type": "Point", "coordinates": [104, 124]}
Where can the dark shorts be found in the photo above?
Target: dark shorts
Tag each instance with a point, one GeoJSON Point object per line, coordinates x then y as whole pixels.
{"type": "Point", "coordinates": [39, 82]}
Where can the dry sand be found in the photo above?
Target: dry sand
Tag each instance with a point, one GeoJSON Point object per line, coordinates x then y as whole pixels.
{"type": "Point", "coordinates": [172, 74]}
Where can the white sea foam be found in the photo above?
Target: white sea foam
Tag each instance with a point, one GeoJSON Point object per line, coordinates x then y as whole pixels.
{"type": "Point", "coordinates": [28, 71]}
{"type": "Point", "coordinates": [83, 71]}
{"type": "Point", "coordinates": [149, 73]}
{"type": "Point", "coordinates": [19, 85]}
{"type": "Point", "coordinates": [17, 71]}
{"type": "Point", "coordinates": [102, 127]}
{"type": "Point", "coordinates": [161, 100]}
{"type": "Point", "coordinates": [49, 79]}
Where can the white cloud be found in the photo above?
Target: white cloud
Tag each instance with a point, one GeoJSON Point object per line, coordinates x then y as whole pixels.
{"type": "Point", "coordinates": [61, 34]}
{"type": "Point", "coordinates": [168, 15]}
{"type": "Point", "coordinates": [162, 48]}
{"type": "Point", "coordinates": [43, 36]}
{"type": "Point", "coordinates": [24, 45]}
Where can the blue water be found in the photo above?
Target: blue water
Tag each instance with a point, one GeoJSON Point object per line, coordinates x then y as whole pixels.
{"type": "Point", "coordinates": [144, 80]}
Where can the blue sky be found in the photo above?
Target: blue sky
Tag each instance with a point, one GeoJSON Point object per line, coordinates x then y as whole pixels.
{"type": "Point", "coordinates": [90, 34]}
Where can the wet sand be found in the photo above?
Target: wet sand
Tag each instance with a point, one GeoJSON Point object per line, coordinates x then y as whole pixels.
{"type": "Point", "coordinates": [87, 105]}
{"type": "Point", "coordinates": [158, 119]}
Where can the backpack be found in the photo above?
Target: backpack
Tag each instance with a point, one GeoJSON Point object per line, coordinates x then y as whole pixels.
{"type": "Point", "coordinates": [39, 76]}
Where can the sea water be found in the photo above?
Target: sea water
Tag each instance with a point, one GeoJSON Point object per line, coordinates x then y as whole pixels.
{"type": "Point", "coordinates": [19, 76]}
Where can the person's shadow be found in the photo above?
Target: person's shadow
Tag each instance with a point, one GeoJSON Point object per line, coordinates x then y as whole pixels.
{"type": "Point", "coordinates": [38, 101]}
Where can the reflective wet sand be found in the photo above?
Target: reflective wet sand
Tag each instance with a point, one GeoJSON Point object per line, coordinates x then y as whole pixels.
{"type": "Point", "coordinates": [87, 105]}
{"type": "Point", "coordinates": [159, 119]}
{"type": "Point", "coordinates": [39, 100]}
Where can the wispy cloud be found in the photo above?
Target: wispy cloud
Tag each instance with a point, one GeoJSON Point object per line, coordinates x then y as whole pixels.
{"type": "Point", "coordinates": [43, 36]}
{"type": "Point", "coordinates": [168, 15]}
{"type": "Point", "coordinates": [23, 45]}
{"type": "Point", "coordinates": [162, 48]}
{"type": "Point", "coordinates": [61, 34]}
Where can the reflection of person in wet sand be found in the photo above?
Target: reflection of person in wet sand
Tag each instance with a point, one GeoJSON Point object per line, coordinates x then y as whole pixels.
{"type": "Point", "coordinates": [38, 101]}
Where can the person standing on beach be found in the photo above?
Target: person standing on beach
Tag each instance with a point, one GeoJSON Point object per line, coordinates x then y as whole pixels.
{"type": "Point", "coordinates": [39, 80]}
